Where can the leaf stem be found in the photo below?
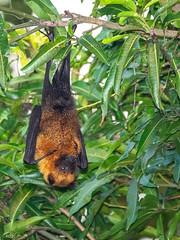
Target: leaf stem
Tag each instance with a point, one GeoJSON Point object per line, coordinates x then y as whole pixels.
{"type": "Point", "coordinates": [114, 206]}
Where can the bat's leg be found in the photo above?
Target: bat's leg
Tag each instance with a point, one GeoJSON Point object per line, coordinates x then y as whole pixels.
{"type": "Point", "coordinates": [49, 153]}
{"type": "Point", "coordinates": [32, 135]}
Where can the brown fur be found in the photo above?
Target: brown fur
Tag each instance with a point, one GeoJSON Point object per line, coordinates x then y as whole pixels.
{"type": "Point", "coordinates": [57, 133]}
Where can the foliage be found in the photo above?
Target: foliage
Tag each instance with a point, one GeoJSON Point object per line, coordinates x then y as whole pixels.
{"type": "Point", "coordinates": [129, 109]}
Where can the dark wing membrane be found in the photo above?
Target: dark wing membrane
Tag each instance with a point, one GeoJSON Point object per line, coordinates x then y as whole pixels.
{"type": "Point", "coordinates": [32, 135]}
{"type": "Point", "coordinates": [83, 162]}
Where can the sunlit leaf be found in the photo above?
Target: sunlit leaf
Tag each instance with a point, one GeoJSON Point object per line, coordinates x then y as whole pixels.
{"type": "Point", "coordinates": [129, 4]}
{"type": "Point", "coordinates": [149, 4]}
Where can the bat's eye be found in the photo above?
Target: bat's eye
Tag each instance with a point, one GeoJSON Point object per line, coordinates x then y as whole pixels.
{"type": "Point", "coordinates": [64, 169]}
{"type": "Point", "coordinates": [51, 179]}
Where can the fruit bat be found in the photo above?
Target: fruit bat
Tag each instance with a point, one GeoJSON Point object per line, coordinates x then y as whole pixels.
{"type": "Point", "coordinates": [54, 138]}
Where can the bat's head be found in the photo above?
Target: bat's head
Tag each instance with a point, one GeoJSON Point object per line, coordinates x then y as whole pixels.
{"type": "Point", "coordinates": [64, 171]}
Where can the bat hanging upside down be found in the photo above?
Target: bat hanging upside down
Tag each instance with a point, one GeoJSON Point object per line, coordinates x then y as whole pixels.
{"type": "Point", "coordinates": [54, 138]}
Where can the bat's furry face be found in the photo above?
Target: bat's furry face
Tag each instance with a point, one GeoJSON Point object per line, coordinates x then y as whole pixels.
{"type": "Point", "coordinates": [62, 173]}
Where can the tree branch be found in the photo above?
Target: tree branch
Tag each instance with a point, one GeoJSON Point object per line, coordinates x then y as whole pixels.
{"type": "Point", "coordinates": [76, 222]}
{"type": "Point", "coordinates": [78, 19]}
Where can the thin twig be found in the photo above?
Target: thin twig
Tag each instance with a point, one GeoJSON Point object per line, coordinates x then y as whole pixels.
{"type": "Point", "coordinates": [53, 230]}
{"type": "Point", "coordinates": [19, 13]}
{"type": "Point", "coordinates": [92, 29]}
{"type": "Point", "coordinates": [76, 222]}
{"type": "Point", "coordinates": [23, 25]}
{"type": "Point", "coordinates": [114, 206]}
{"type": "Point", "coordinates": [171, 198]}
{"type": "Point", "coordinates": [26, 235]}
{"type": "Point", "coordinates": [19, 37]}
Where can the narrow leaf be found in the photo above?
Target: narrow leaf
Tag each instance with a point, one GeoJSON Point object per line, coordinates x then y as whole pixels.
{"type": "Point", "coordinates": [3, 66]}
{"type": "Point", "coordinates": [149, 133]}
{"type": "Point", "coordinates": [19, 201]}
{"type": "Point", "coordinates": [115, 38]}
{"type": "Point", "coordinates": [86, 192]}
{"type": "Point", "coordinates": [108, 88]}
{"type": "Point", "coordinates": [45, 10]}
{"type": "Point", "coordinates": [46, 5]}
{"type": "Point", "coordinates": [176, 169]}
{"type": "Point", "coordinates": [160, 228]}
{"type": "Point", "coordinates": [3, 50]}
{"type": "Point", "coordinates": [171, 18]}
{"type": "Point", "coordinates": [21, 226]}
{"type": "Point", "coordinates": [46, 53]}
{"type": "Point", "coordinates": [121, 61]}
{"type": "Point", "coordinates": [10, 173]}
{"type": "Point", "coordinates": [112, 9]}
{"type": "Point", "coordinates": [153, 71]}
{"type": "Point", "coordinates": [164, 8]}
{"type": "Point", "coordinates": [129, 4]}
{"type": "Point", "coordinates": [149, 4]}
{"type": "Point", "coordinates": [132, 201]}
{"type": "Point", "coordinates": [94, 47]}
{"type": "Point", "coordinates": [85, 89]}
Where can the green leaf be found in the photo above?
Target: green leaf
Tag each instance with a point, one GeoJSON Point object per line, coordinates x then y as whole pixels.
{"type": "Point", "coordinates": [115, 38]}
{"type": "Point", "coordinates": [129, 4]}
{"type": "Point", "coordinates": [86, 89]}
{"type": "Point", "coordinates": [160, 228]}
{"type": "Point", "coordinates": [46, 53]}
{"type": "Point", "coordinates": [176, 169]}
{"type": "Point", "coordinates": [45, 10]}
{"type": "Point", "coordinates": [128, 14]}
{"type": "Point", "coordinates": [46, 5]}
{"type": "Point", "coordinates": [19, 200]}
{"type": "Point", "coordinates": [4, 112]}
{"type": "Point", "coordinates": [174, 225]}
{"type": "Point", "coordinates": [21, 226]}
{"type": "Point", "coordinates": [164, 8]}
{"type": "Point", "coordinates": [132, 203]}
{"type": "Point", "coordinates": [121, 61]}
{"type": "Point", "coordinates": [149, 133]}
{"type": "Point", "coordinates": [4, 47]}
{"type": "Point", "coordinates": [85, 193]}
{"type": "Point", "coordinates": [10, 146]}
{"type": "Point", "coordinates": [149, 4]}
{"type": "Point", "coordinates": [171, 18]}
{"type": "Point", "coordinates": [153, 73]}
{"type": "Point", "coordinates": [108, 88]}
{"type": "Point", "coordinates": [10, 173]}
{"type": "Point", "coordinates": [94, 47]}
{"type": "Point", "coordinates": [112, 9]}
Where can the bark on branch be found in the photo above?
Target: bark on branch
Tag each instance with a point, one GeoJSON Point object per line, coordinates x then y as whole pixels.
{"type": "Point", "coordinates": [79, 19]}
